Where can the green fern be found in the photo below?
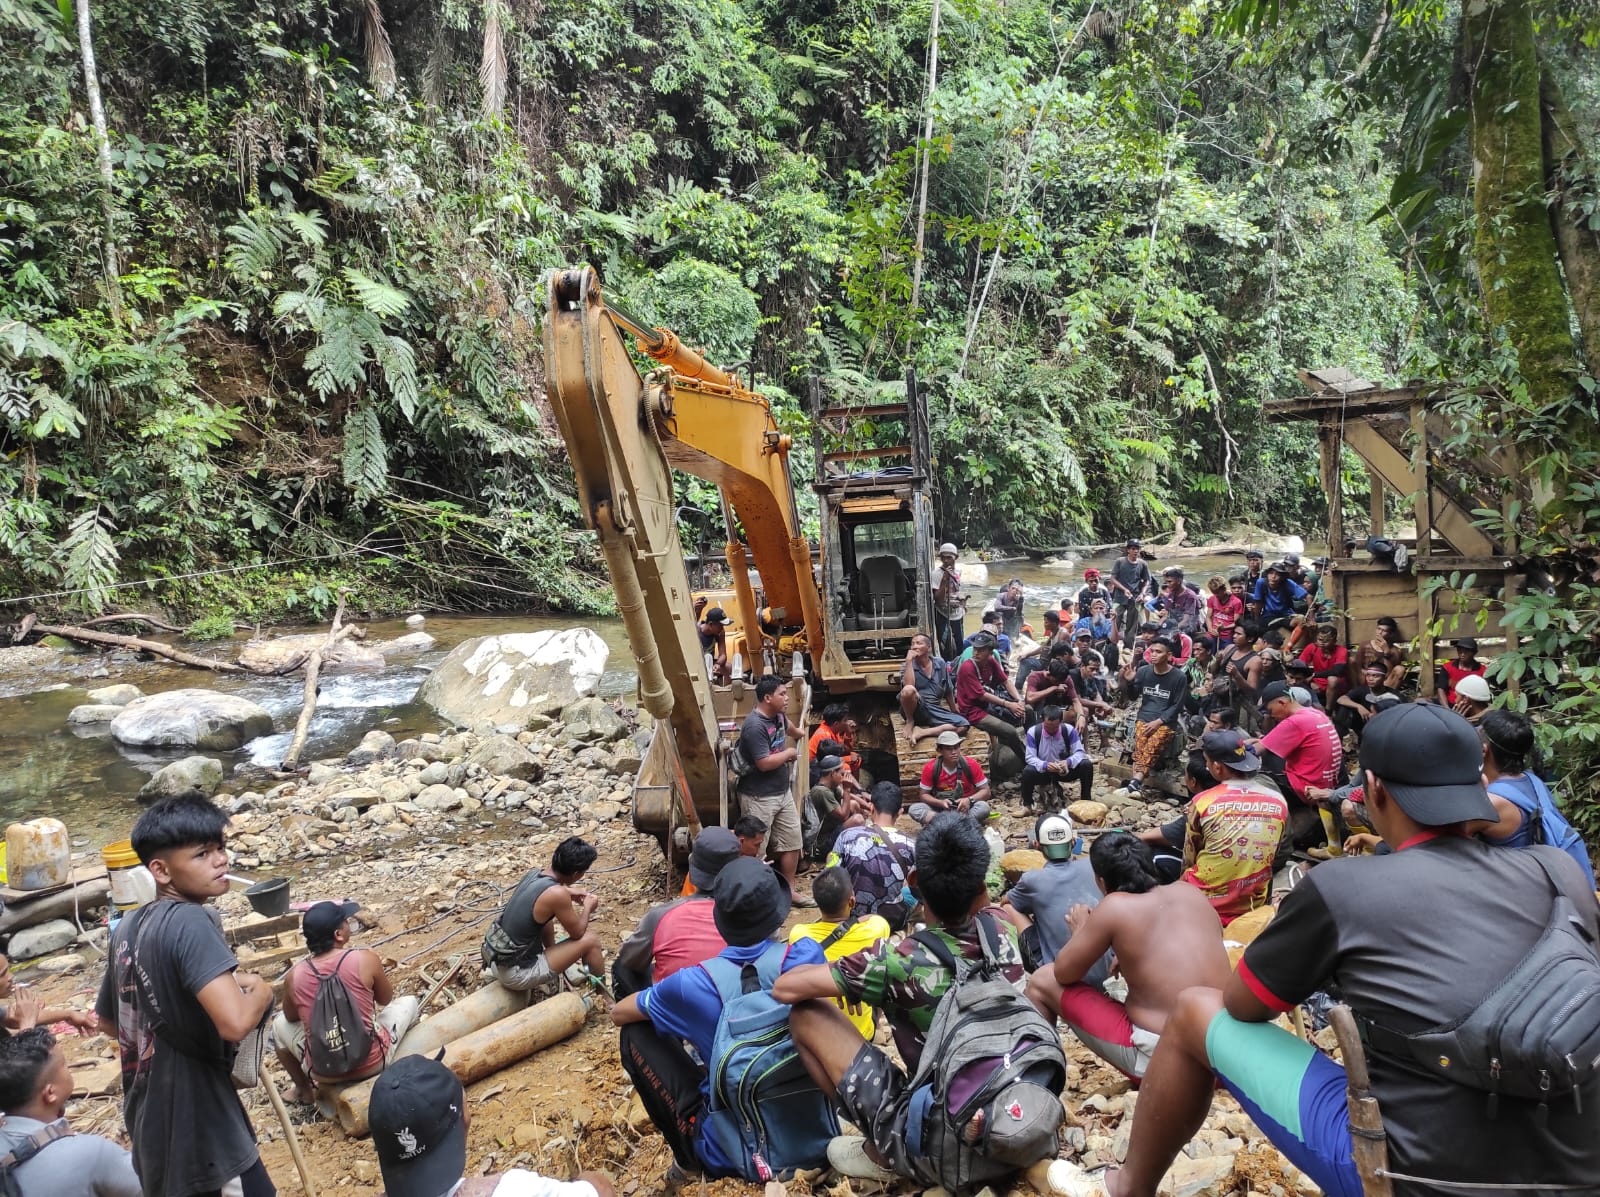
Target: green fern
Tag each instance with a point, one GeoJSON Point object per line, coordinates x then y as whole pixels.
{"type": "Point", "coordinates": [89, 560]}
{"type": "Point", "coordinates": [310, 227]}
{"type": "Point", "coordinates": [366, 458]}
{"type": "Point", "coordinates": [399, 366]}
{"type": "Point", "coordinates": [255, 249]}
{"type": "Point", "coordinates": [378, 298]}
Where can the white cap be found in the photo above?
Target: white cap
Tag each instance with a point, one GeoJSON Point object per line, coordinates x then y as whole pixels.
{"type": "Point", "coordinates": [947, 548]}
{"type": "Point", "coordinates": [1475, 688]}
{"type": "Point", "coordinates": [949, 739]}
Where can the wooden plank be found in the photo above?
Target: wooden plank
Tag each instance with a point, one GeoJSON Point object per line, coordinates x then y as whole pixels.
{"type": "Point", "coordinates": [258, 961]}
{"type": "Point", "coordinates": [868, 411]}
{"type": "Point", "coordinates": [249, 932]}
{"type": "Point", "coordinates": [866, 454]}
{"type": "Point", "coordinates": [1331, 445]}
{"type": "Point", "coordinates": [1377, 515]}
{"type": "Point", "coordinates": [1441, 515]}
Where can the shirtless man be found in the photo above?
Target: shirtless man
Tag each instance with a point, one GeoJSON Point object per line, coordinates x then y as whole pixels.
{"type": "Point", "coordinates": [1166, 938]}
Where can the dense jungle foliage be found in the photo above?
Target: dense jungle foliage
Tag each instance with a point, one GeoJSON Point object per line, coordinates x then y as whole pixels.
{"type": "Point", "coordinates": [271, 274]}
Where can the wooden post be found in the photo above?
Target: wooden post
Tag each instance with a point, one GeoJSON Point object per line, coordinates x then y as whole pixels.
{"type": "Point", "coordinates": [1424, 513]}
{"type": "Point", "coordinates": [308, 703]}
{"type": "Point", "coordinates": [1333, 486]}
{"type": "Point", "coordinates": [1370, 1143]}
{"type": "Point", "coordinates": [1377, 515]}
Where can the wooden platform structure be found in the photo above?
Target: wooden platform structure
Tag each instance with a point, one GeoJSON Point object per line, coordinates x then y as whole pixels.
{"type": "Point", "coordinates": [1406, 446]}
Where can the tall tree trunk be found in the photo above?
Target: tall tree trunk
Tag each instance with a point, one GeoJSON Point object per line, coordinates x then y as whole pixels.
{"type": "Point", "coordinates": [1574, 182]}
{"type": "Point", "coordinates": [102, 139]}
{"type": "Point", "coordinates": [926, 155]}
{"type": "Point", "coordinates": [1513, 243]}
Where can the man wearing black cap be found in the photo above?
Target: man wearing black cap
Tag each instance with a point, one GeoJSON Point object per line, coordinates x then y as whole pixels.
{"type": "Point", "coordinates": [837, 801]}
{"type": "Point", "coordinates": [419, 1117]}
{"type": "Point", "coordinates": [679, 933]}
{"type": "Point", "coordinates": [713, 628]}
{"type": "Point", "coordinates": [1232, 830]}
{"type": "Point", "coordinates": [1414, 940]}
{"type": "Point", "coordinates": [749, 903]}
{"type": "Point", "coordinates": [1304, 741]}
{"type": "Point", "coordinates": [1466, 664]}
{"type": "Point", "coordinates": [327, 929]}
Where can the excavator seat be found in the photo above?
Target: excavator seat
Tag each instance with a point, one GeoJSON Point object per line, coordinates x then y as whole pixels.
{"type": "Point", "coordinates": [882, 596]}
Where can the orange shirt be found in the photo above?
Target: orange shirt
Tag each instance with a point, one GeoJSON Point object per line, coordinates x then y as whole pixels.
{"type": "Point", "coordinates": [852, 760]}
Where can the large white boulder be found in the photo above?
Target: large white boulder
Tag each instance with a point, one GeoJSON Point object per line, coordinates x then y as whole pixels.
{"type": "Point", "coordinates": [198, 776]}
{"type": "Point", "coordinates": [510, 678]}
{"type": "Point", "coordinates": [190, 719]}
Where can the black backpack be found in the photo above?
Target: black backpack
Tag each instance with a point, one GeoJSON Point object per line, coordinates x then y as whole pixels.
{"type": "Point", "coordinates": [19, 1155]}
{"type": "Point", "coordinates": [338, 1039]}
{"type": "Point", "coordinates": [1536, 1036]}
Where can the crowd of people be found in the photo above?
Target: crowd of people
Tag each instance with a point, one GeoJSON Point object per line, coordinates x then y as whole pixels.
{"type": "Point", "coordinates": [911, 1027]}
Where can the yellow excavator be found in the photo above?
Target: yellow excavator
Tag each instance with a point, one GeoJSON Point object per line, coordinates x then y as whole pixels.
{"type": "Point", "coordinates": [839, 626]}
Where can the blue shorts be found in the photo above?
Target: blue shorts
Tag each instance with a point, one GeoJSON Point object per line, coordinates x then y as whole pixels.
{"type": "Point", "coordinates": [1293, 1092]}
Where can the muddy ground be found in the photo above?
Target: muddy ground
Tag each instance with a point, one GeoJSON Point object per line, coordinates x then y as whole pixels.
{"type": "Point", "coordinates": [571, 1107]}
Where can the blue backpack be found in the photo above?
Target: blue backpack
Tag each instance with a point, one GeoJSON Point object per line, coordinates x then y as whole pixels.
{"type": "Point", "coordinates": [1542, 821]}
{"type": "Point", "coordinates": [766, 1112]}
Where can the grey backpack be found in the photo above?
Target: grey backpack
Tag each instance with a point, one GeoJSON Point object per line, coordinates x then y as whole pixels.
{"type": "Point", "coordinates": [337, 1038]}
{"type": "Point", "coordinates": [987, 1049]}
{"type": "Point", "coordinates": [1536, 1036]}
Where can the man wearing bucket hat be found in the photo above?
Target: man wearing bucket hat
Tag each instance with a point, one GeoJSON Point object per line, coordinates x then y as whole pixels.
{"type": "Point", "coordinates": [682, 932]}
{"type": "Point", "coordinates": [749, 904]}
{"type": "Point", "coordinates": [949, 604]}
{"type": "Point", "coordinates": [1417, 939]}
{"type": "Point", "coordinates": [384, 1018]}
{"type": "Point", "coordinates": [419, 1117]}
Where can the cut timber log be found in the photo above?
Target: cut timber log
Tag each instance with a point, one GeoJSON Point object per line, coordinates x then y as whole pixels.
{"type": "Point", "coordinates": [91, 895]}
{"type": "Point", "coordinates": [486, 1051]}
{"type": "Point", "coordinates": [472, 1013]}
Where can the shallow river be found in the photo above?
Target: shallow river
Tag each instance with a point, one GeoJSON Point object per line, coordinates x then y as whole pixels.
{"type": "Point", "coordinates": [81, 776]}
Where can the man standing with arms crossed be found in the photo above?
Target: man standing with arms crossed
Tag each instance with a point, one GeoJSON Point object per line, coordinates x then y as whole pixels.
{"type": "Point", "coordinates": [1130, 582]}
{"type": "Point", "coordinates": [765, 739]}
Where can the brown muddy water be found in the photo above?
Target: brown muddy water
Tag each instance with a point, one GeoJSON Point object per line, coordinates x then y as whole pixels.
{"type": "Point", "coordinates": [79, 775]}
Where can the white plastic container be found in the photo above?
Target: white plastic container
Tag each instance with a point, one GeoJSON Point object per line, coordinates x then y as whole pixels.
{"type": "Point", "coordinates": [38, 855]}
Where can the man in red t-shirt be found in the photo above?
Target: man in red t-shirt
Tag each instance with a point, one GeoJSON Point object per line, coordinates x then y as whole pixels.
{"type": "Point", "coordinates": [1304, 739]}
{"type": "Point", "coordinates": [951, 781]}
{"type": "Point", "coordinates": [1330, 665]}
{"type": "Point", "coordinates": [986, 697]}
{"type": "Point", "coordinates": [1466, 664]}
{"type": "Point", "coordinates": [326, 927]}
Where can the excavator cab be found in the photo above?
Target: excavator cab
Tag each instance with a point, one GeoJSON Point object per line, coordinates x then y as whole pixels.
{"type": "Point", "coordinates": [873, 486]}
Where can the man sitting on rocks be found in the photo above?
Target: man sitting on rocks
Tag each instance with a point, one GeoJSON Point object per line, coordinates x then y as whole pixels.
{"type": "Point", "coordinates": [1415, 940]}
{"type": "Point", "coordinates": [1037, 905]}
{"type": "Point", "coordinates": [419, 1117]}
{"type": "Point", "coordinates": [47, 1158]}
{"type": "Point", "coordinates": [879, 859]}
{"type": "Point", "coordinates": [1166, 938]}
{"type": "Point", "coordinates": [927, 692]}
{"type": "Point", "coordinates": [1305, 750]}
{"type": "Point", "coordinates": [952, 780]}
{"type": "Point", "coordinates": [679, 933]}
{"type": "Point", "coordinates": [986, 697]}
{"type": "Point", "coordinates": [749, 903]}
{"type": "Point", "coordinates": [1055, 755]}
{"type": "Point", "coordinates": [906, 983]}
{"type": "Point", "coordinates": [1161, 690]}
{"type": "Point", "coordinates": [385, 1017]}
{"type": "Point", "coordinates": [837, 801]}
{"type": "Point", "coordinates": [520, 949]}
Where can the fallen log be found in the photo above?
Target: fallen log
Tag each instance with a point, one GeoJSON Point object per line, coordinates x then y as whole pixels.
{"type": "Point", "coordinates": [308, 704]}
{"type": "Point", "coordinates": [151, 621]}
{"type": "Point", "coordinates": [155, 647]}
{"type": "Point", "coordinates": [90, 895]}
{"type": "Point", "coordinates": [485, 1051]}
